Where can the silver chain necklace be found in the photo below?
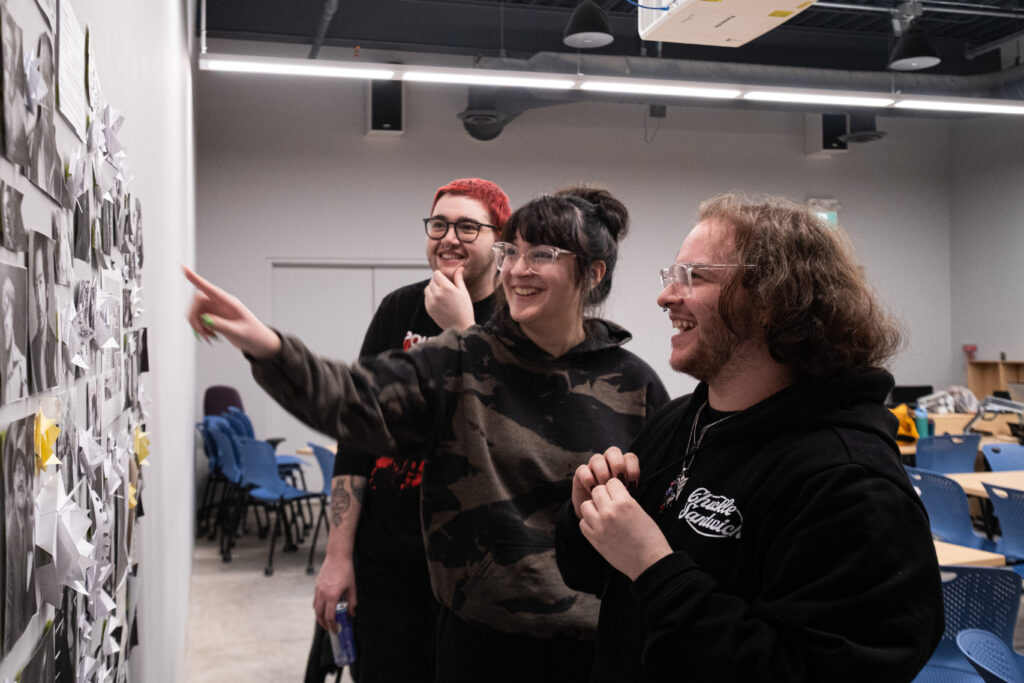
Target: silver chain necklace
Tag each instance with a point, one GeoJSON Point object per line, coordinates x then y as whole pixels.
{"type": "Point", "coordinates": [675, 488]}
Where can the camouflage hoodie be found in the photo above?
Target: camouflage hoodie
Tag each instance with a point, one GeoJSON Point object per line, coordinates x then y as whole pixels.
{"type": "Point", "coordinates": [505, 426]}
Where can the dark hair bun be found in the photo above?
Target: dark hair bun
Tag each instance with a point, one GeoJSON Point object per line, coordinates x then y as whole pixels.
{"type": "Point", "coordinates": [610, 210]}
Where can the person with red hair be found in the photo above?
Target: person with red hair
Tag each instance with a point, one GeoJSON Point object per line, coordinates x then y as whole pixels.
{"type": "Point", "coordinates": [375, 517]}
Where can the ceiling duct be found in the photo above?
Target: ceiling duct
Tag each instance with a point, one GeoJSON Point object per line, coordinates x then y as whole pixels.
{"type": "Point", "coordinates": [491, 109]}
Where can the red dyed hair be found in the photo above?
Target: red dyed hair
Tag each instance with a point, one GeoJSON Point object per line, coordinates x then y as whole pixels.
{"type": "Point", "coordinates": [484, 191]}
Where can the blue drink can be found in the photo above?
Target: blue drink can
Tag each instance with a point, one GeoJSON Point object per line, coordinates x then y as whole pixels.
{"type": "Point", "coordinates": [342, 644]}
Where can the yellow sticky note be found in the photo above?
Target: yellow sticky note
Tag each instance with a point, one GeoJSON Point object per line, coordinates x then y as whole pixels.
{"type": "Point", "coordinates": [46, 434]}
{"type": "Point", "coordinates": [780, 13]}
{"type": "Point", "coordinates": [133, 499]}
{"type": "Point", "coordinates": [141, 440]}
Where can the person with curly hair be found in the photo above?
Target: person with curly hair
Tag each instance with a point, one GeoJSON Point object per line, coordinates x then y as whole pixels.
{"type": "Point", "coordinates": [761, 528]}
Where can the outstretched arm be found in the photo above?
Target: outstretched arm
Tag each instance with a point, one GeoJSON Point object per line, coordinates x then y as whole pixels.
{"type": "Point", "coordinates": [216, 312]}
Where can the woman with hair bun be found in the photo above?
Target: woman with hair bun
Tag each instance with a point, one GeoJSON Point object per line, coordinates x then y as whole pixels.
{"type": "Point", "coordinates": [507, 411]}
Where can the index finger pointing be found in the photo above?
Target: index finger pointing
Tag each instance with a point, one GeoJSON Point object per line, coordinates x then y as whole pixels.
{"type": "Point", "coordinates": [207, 288]}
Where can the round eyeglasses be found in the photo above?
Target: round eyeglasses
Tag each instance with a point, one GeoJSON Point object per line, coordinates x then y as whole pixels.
{"type": "Point", "coordinates": [681, 275]}
{"type": "Point", "coordinates": [466, 230]}
{"type": "Point", "coordinates": [537, 259]}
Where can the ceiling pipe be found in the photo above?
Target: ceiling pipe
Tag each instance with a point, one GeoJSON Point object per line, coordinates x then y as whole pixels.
{"type": "Point", "coordinates": [330, 7]}
{"type": "Point", "coordinates": [939, 8]}
{"type": "Point", "coordinates": [975, 52]}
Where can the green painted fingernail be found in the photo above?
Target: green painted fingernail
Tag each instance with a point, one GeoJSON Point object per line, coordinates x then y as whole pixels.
{"type": "Point", "coordinates": [207, 320]}
{"type": "Point", "coordinates": [195, 333]}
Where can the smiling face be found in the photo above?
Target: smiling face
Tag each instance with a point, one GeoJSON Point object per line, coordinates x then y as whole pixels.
{"type": "Point", "coordinates": [703, 346]}
{"type": "Point", "coordinates": [547, 302]}
{"type": "Point", "coordinates": [448, 253]}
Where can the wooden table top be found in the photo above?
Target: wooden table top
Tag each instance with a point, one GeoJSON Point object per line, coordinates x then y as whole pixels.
{"type": "Point", "coordinates": [957, 554]}
{"type": "Point", "coordinates": [911, 448]}
{"type": "Point", "coordinates": [971, 481]}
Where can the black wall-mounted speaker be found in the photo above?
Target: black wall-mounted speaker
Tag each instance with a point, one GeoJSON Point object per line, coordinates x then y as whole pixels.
{"type": "Point", "coordinates": [833, 127]}
{"type": "Point", "coordinates": [386, 103]}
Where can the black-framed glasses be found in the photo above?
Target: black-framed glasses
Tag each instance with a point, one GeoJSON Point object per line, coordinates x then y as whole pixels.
{"type": "Point", "coordinates": [681, 275]}
{"type": "Point", "coordinates": [466, 230]}
{"type": "Point", "coordinates": [537, 259]}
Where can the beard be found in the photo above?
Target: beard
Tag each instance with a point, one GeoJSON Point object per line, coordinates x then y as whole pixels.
{"type": "Point", "coordinates": [715, 348]}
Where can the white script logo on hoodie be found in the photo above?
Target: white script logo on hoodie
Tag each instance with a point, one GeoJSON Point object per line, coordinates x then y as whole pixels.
{"type": "Point", "coordinates": [711, 515]}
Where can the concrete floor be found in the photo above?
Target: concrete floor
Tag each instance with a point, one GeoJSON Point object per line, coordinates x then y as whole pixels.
{"type": "Point", "coordinates": [245, 626]}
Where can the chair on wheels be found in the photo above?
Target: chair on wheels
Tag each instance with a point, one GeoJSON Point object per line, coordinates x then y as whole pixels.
{"type": "Point", "coordinates": [948, 513]}
{"type": "Point", "coordinates": [1004, 456]}
{"type": "Point", "coordinates": [947, 454]}
{"type": "Point", "coordinates": [973, 597]}
{"type": "Point", "coordinates": [325, 459]}
{"type": "Point", "coordinates": [995, 660]}
{"type": "Point", "coordinates": [1008, 508]}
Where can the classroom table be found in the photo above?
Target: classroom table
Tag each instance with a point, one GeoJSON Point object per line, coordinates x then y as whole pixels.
{"type": "Point", "coordinates": [971, 481]}
{"type": "Point", "coordinates": [306, 450]}
{"type": "Point", "coordinates": [949, 553]}
{"type": "Point", "coordinates": [911, 448]}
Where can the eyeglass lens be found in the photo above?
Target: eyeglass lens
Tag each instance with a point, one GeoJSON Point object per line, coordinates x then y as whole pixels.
{"type": "Point", "coordinates": [465, 231]}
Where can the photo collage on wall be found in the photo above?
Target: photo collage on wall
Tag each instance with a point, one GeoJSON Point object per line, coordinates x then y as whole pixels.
{"type": "Point", "coordinates": [73, 409]}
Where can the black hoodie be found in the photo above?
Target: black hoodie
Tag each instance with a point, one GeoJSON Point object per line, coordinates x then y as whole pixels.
{"type": "Point", "coordinates": [801, 552]}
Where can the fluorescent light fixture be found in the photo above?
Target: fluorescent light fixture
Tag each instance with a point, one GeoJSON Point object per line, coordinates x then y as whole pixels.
{"type": "Point", "coordinates": [818, 97]}
{"type": "Point", "coordinates": [294, 67]}
{"type": "Point", "coordinates": [962, 105]}
{"type": "Point", "coordinates": [639, 87]}
{"type": "Point", "coordinates": [491, 78]}
{"type": "Point", "coordinates": [632, 86]}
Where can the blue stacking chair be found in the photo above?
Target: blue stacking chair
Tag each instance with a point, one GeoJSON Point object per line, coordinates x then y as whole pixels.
{"type": "Point", "coordinates": [209, 501]}
{"type": "Point", "coordinates": [290, 465]}
{"type": "Point", "coordinates": [232, 502]}
{"type": "Point", "coordinates": [994, 660]}
{"type": "Point", "coordinates": [973, 597]}
{"type": "Point", "coordinates": [1008, 507]}
{"type": "Point", "coordinates": [260, 472]}
{"type": "Point", "coordinates": [947, 454]}
{"type": "Point", "coordinates": [948, 513]}
{"type": "Point", "coordinates": [325, 459]}
{"type": "Point", "coordinates": [1004, 456]}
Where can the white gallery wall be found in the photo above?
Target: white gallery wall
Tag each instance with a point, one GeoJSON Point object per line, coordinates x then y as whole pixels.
{"type": "Point", "coordinates": [988, 237]}
{"type": "Point", "coordinates": [143, 60]}
{"type": "Point", "coordinates": [284, 170]}
{"type": "Point", "coordinates": [143, 53]}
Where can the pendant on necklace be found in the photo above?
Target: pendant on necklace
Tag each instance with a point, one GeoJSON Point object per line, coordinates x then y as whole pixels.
{"type": "Point", "coordinates": [674, 490]}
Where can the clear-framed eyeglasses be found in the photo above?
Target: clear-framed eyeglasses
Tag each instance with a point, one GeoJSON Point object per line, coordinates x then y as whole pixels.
{"type": "Point", "coordinates": [682, 275]}
{"type": "Point", "coordinates": [537, 259]}
{"type": "Point", "coordinates": [466, 230]}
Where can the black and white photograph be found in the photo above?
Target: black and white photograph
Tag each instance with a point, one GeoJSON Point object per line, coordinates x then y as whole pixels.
{"type": "Point", "coordinates": [85, 305]}
{"type": "Point", "coordinates": [137, 231]}
{"type": "Point", "coordinates": [127, 316]}
{"type": "Point", "coordinates": [45, 168]}
{"type": "Point", "coordinates": [42, 350]}
{"type": "Point", "coordinates": [15, 236]}
{"type": "Point", "coordinates": [83, 229]}
{"type": "Point", "coordinates": [65, 627]}
{"type": "Point", "coordinates": [14, 85]}
{"type": "Point", "coordinates": [92, 408]}
{"type": "Point", "coordinates": [65, 449]}
{"type": "Point", "coordinates": [108, 214]}
{"type": "Point", "coordinates": [62, 256]}
{"type": "Point", "coordinates": [14, 309]}
{"type": "Point", "coordinates": [40, 667]}
{"type": "Point", "coordinates": [19, 527]}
